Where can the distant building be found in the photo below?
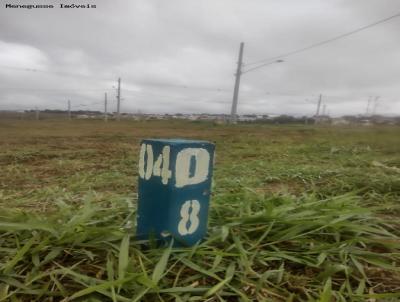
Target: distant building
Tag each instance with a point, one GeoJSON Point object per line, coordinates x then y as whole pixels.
{"type": "Point", "coordinates": [82, 116]}
{"type": "Point", "coordinates": [339, 121]}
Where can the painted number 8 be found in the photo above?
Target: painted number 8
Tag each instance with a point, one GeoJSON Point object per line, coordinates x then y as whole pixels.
{"type": "Point", "coordinates": [190, 219]}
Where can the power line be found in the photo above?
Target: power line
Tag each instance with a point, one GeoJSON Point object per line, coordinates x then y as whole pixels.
{"type": "Point", "coordinates": [323, 42]}
{"type": "Point", "coordinates": [183, 87]}
{"type": "Point", "coordinates": [62, 73]}
{"type": "Point", "coordinates": [269, 63]}
{"type": "Point", "coordinates": [140, 93]}
{"type": "Point", "coordinates": [68, 74]}
{"type": "Point", "coordinates": [55, 89]}
{"type": "Point", "coordinates": [151, 94]}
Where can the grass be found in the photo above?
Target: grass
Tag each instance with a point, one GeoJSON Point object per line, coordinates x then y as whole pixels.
{"type": "Point", "coordinates": [298, 213]}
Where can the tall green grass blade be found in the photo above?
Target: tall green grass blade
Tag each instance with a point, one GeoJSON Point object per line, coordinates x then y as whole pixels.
{"type": "Point", "coordinates": [7, 268]}
{"type": "Point", "coordinates": [161, 265]}
{"type": "Point", "coordinates": [326, 295]}
{"type": "Point", "coordinates": [123, 257]}
{"type": "Point", "coordinates": [229, 275]}
{"type": "Point", "coordinates": [4, 291]}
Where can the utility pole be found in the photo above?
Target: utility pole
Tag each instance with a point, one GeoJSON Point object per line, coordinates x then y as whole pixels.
{"type": "Point", "coordinates": [368, 105]}
{"type": "Point", "coordinates": [319, 105]}
{"type": "Point", "coordinates": [324, 109]}
{"type": "Point", "coordinates": [105, 107]}
{"type": "Point", "coordinates": [119, 99]}
{"type": "Point", "coordinates": [318, 109]}
{"type": "Point", "coordinates": [237, 84]}
{"type": "Point", "coordinates": [69, 109]}
{"type": "Point", "coordinates": [375, 105]}
{"type": "Point", "coordinates": [37, 113]}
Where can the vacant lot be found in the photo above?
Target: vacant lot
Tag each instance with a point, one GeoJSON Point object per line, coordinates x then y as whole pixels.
{"type": "Point", "coordinates": [299, 213]}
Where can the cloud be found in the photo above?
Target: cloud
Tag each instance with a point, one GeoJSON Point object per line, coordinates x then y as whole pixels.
{"type": "Point", "coordinates": [21, 56]}
{"type": "Point", "coordinates": [180, 55]}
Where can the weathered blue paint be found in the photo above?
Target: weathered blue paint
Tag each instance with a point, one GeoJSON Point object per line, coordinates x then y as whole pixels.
{"type": "Point", "coordinates": [170, 208]}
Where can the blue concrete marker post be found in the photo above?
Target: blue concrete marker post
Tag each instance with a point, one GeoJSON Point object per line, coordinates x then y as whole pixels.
{"type": "Point", "coordinates": [174, 189]}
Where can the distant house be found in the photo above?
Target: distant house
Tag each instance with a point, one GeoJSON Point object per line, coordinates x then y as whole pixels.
{"type": "Point", "coordinates": [82, 116]}
{"type": "Point", "coordinates": [322, 119]}
{"type": "Point", "coordinates": [247, 118]}
{"type": "Point", "coordinates": [339, 121]}
{"type": "Point", "coordinates": [366, 122]}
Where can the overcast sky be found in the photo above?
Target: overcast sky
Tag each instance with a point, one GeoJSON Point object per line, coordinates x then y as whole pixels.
{"type": "Point", "coordinates": [180, 56]}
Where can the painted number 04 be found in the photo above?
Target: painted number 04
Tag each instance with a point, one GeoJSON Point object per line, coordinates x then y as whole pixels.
{"type": "Point", "coordinates": [189, 222]}
{"type": "Point", "coordinates": [154, 167]}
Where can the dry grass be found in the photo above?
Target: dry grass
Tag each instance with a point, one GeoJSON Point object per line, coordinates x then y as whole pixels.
{"type": "Point", "coordinates": [298, 214]}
